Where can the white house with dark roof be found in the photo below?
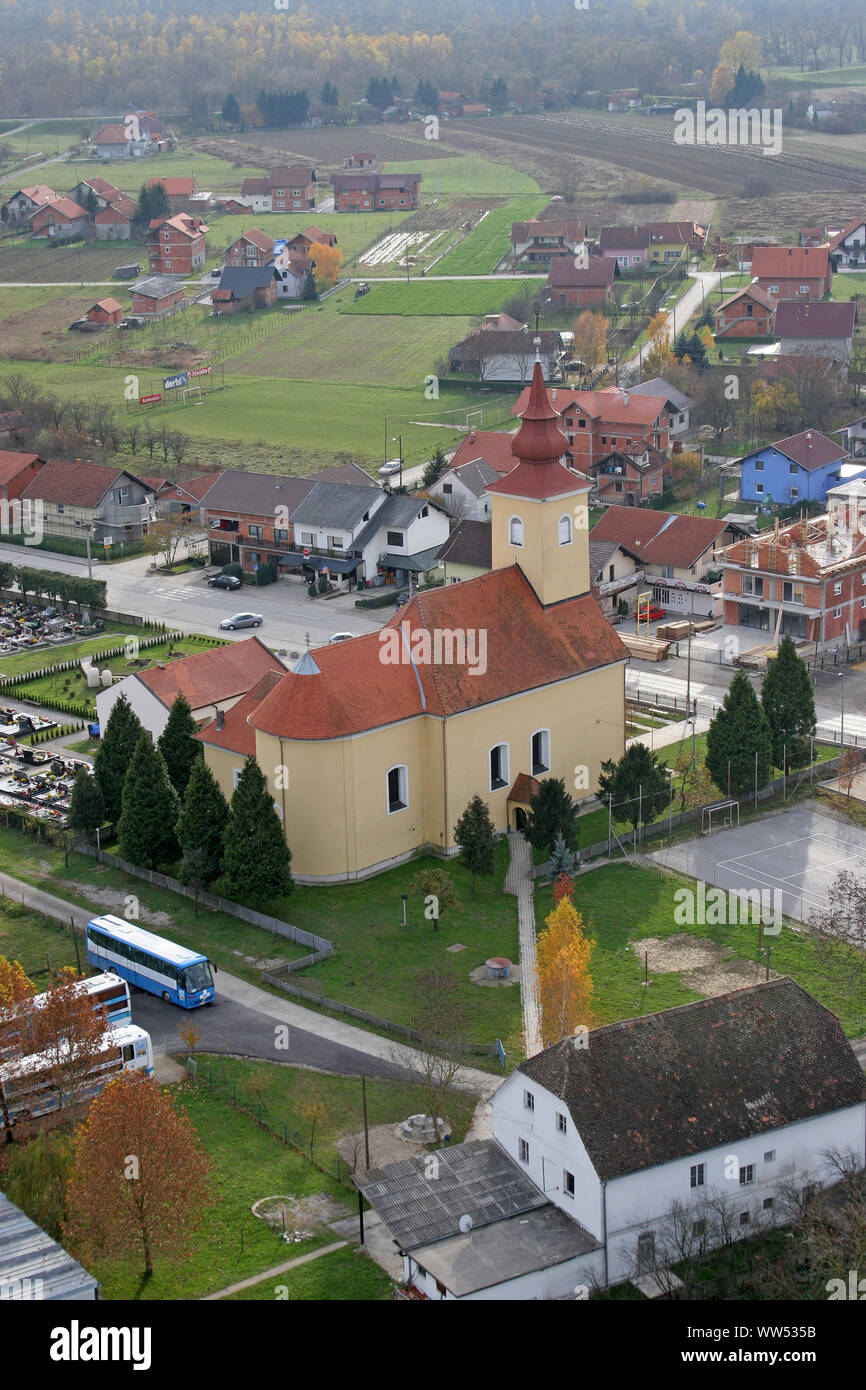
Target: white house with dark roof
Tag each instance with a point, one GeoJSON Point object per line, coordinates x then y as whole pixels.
{"type": "Point", "coordinates": [678, 404]}
{"type": "Point", "coordinates": [716, 1105]}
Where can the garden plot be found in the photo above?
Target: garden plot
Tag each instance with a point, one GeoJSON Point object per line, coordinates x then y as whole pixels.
{"type": "Point", "coordinates": [394, 248]}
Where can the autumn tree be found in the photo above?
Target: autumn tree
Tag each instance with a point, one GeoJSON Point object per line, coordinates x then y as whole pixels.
{"type": "Point", "coordinates": [590, 339]}
{"type": "Point", "coordinates": [327, 261]}
{"type": "Point", "coordinates": [658, 357]}
{"type": "Point", "coordinates": [166, 535]}
{"type": "Point", "coordinates": [15, 987]}
{"type": "Point", "coordinates": [141, 1180]}
{"type": "Point", "coordinates": [849, 767]}
{"type": "Point", "coordinates": [564, 982]}
{"type": "Point", "coordinates": [70, 1034]}
{"type": "Point", "coordinates": [438, 885]}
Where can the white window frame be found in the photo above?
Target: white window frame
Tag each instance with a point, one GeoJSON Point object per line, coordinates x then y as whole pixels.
{"type": "Point", "coordinates": [569, 535]}
{"type": "Point", "coordinates": [698, 1175]}
{"type": "Point", "coordinates": [515, 524]}
{"type": "Point", "coordinates": [523, 1150]}
{"type": "Point", "coordinates": [528, 1100]}
{"type": "Point", "coordinates": [567, 1184]}
{"type": "Point", "coordinates": [545, 750]}
{"type": "Point", "coordinates": [403, 771]}
{"type": "Point", "coordinates": [505, 767]}
{"type": "Point", "coordinates": [561, 1123]}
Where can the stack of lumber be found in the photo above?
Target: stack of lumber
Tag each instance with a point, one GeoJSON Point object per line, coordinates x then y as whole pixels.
{"type": "Point", "coordinates": [673, 632]}
{"type": "Point", "coordinates": [646, 648]}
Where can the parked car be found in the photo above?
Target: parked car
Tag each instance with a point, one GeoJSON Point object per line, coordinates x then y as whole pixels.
{"type": "Point", "coordinates": [241, 620]}
{"type": "Point", "coordinates": [224, 581]}
{"type": "Point", "coordinates": [654, 614]}
{"type": "Point", "coordinates": [340, 637]}
{"type": "Point", "coordinates": [391, 467]}
{"type": "Point", "coordinates": [133, 321]}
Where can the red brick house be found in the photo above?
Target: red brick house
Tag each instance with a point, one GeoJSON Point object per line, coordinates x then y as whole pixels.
{"type": "Point", "coordinates": [544, 241]}
{"type": "Point", "coordinates": [251, 248]}
{"type": "Point", "coordinates": [232, 206]}
{"type": "Point", "coordinates": [114, 223]}
{"type": "Point", "coordinates": [364, 160]}
{"type": "Point", "coordinates": [178, 191]}
{"type": "Point", "coordinates": [629, 479]}
{"type": "Point", "coordinates": [584, 288]}
{"type": "Point", "coordinates": [597, 422]}
{"type": "Point", "coordinates": [23, 204]}
{"type": "Point", "coordinates": [155, 295]}
{"type": "Point", "coordinates": [104, 192]}
{"type": "Point", "coordinates": [748, 313]}
{"type": "Point", "coordinates": [176, 245]}
{"type": "Point", "coordinates": [17, 470]}
{"type": "Point", "coordinates": [376, 192]}
{"type": "Point", "coordinates": [309, 236]}
{"type": "Point", "coordinates": [792, 272]}
{"type": "Point", "coordinates": [105, 311]}
{"type": "Point", "coordinates": [291, 189]}
{"type": "Point", "coordinates": [61, 220]}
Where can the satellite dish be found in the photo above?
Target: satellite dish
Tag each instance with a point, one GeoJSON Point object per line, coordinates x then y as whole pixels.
{"type": "Point", "coordinates": [465, 1224]}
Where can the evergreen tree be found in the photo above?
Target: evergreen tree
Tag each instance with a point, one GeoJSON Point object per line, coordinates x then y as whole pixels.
{"type": "Point", "coordinates": [498, 98]}
{"type": "Point", "coordinates": [434, 468]}
{"type": "Point", "coordinates": [551, 814]}
{"type": "Point", "coordinates": [91, 202]}
{"type": "Point", "coordinates": [201, 826]}
{"type": "Point", "coordinates": [178, 745]}
{"type": "Point", "coordinates": [145, 831]}
{"type": "Point", "coordinates": [256, 857]}
{"type": "Point", "coordinates": [86, 809]}
{"type": "Point", "coordinates": [638, 785]}
{"type": "Point", "coordinates": [114, 754]}
{"type": "Point", "coordinates": [788, 702]}
{"type": "Point", "coordinates": [231, 112]}
{"type": "Point", "coordinates": [739, 732]}
{"type": "Point", "coordinates": [309, 292]}
{"type": "Point", "coordinates": [427, 97]}
{"type": "Point", "coordinates": [561, 858]}
{"type": "Point", "coordinates": [476, 836]}
{"type": "Point", "coordinates": [152, 202]}
{"type": "Point", "coordinates": [329, 95]}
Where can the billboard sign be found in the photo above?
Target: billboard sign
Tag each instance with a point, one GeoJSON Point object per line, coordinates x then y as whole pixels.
{"type": "Point", "coordinates": [171, 383]}
{"type": "Point", "coordinates": [198, 371]}
{"type": "Point", "coordinates": [151, 399]}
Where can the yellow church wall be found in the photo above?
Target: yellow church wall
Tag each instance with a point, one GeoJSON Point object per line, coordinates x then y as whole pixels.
{"type": "Point", "coordinates": [555, 571]}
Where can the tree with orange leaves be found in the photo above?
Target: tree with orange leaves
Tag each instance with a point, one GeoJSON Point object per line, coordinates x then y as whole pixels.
{"type": "Point", "coordinates": [70, 1034]}
{"type": "Point", "coordinates": [564, 981]}
{"type": "Point", "coordinates": [141, 1180]}
{"type": "Point", "coordinates": [16, 989]}
{"type": "Point", "coordinates": [327, 261]}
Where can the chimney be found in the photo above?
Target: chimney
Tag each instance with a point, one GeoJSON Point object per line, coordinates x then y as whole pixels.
{"type": "Point", "coordinates": [625, 397]}
{"type": "Point", "coordinates": [220, 718]}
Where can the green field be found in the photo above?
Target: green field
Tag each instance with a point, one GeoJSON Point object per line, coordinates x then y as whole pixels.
{"type": "Point", "coordinates": [94, 260]}
{"type": "Point", "coordinates": [71, 685]}
{"type": "Point", "coordinates": [853, 75]}
{"type": "Point", "coordinates": [442, 297]}
{"type": "Point", "coordinates": [467, 177]}
{"type": "Point", "coordinates": [355, 231]}
{"type": "Point", "coordinates": [848, 283]}
{"type": "Point", "coordinates": [480, 252]}
{"type": "Point", "coordinates": [343, 1275]}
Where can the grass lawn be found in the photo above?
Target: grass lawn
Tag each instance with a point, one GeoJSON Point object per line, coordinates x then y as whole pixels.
{"type": "Point", "coordinates": [234, 945]}
{"type": "Point", "coordinates": [215, 174]}
{"type": "Point", "coordinates": [854, 75]}
{"type": "Point", "coordinates": [423, 297]}
{"type": "Point", "coordinates": [344, 1275]}
{"type": "Point", "coordinates": [467, 176]}
{"type": "Point", "coordinates": [22, 662]}
{"type": "Point", "coordinates": [621, 905]}
{"type": "Point", "coordinates": [480, 252]}
{"type": "Point", "coordinates": [72, 685]}
{"type": "Point", "coordinates": [379, 964]}
{"type": "Point", "coordinates": [248, 1163]}
{"type": "Point", "coordinates": [84, 745]}
{"type": "Point", "coordinates": [355, 231]}
{"type": "Point", "coordinates": [40, 946]}
{"type": "Point", "coordinates": [848, 283]}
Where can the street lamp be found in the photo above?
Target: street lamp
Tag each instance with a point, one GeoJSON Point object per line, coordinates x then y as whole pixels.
{"type": "Point", "coordinates": [398, 438]}
{"type": "Point", "coordinates": [842, 730]}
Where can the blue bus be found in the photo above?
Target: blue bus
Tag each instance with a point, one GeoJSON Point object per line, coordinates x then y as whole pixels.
{"type": "Point", "coordinates": [150, 962]}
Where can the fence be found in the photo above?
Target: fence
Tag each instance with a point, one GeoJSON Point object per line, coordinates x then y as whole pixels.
{"type": "Point", "coordinates": [321, 947]}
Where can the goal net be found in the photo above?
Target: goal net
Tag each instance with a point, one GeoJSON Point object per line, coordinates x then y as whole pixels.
{"type": "Point", "coordinates": [474, 419]}
{"type": "Point", "coordinates": [722, 815]}
{"type": "Point", "coordinates": [194, 392]}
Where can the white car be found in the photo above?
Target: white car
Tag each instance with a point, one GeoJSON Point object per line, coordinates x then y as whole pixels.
{"type": "Point", "coordinates": [340, 637]}
{"type": "Point", "coordinates": [391, 467]}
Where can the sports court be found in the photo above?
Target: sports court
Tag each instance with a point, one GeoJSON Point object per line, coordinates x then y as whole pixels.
{"type": "Point", "coordinates": [798, 853]}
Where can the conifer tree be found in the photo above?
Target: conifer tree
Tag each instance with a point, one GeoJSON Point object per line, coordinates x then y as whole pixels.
{"type": "Point", "coordinates": [476, 836]}
{"type": "Point", "coordinates": [201, 825]}
{"type": "Point", "coordinates": [256, 857]}
{"type": "Point", "coordinates": [737, 735]}
{"type": "Point", "coordinates": [638, 785]}
{"type": "Point", "coordinates": [178, 745]}
{"type": "Point", "coordinates": [145, 831]}
{"type": "Point", "coordinates": [561, 859]}
{"type": "Point", "coordinates": [117, 744]}
{"type": "Point", "coordinates": [550, 814]}
{"type": "Point", "coordinates": [86, 807]}
{"type": "Point", "coordinates": [788, 702]}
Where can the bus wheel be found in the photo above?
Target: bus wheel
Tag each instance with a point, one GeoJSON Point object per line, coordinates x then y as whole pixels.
{"type": "Point", "coordinates": [166, 996]}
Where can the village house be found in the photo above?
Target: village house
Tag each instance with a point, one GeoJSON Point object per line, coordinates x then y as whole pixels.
{"type": "Point", "coordinates": [174, 497]}
{"type": "Point", "coordinates": [611, 1152]}
{"type": "Point", "coordinates": [155, 295]}
{"type": "Point", "coordinates": [679, 556]}
{"type": "Point", "coordinates": [388, 741]}
{"type": "Point", "coordinates": [848, 247]}
{"type": "Point", "coordinates": [176, 245]}
{"type": "Point", "coordinates": [821, 330]}
{"type": "Point", "coordinates": [105, 193]}
{"type": "Point", "coordinates": [628, 246]}
{"type": "Point", "coordinates": [251, 248]}
{"type": "Point", "coordinates": [792, 272]}
{"type": "Point", "coordinates": [491, 354]}
{"type": "Point", "coordinates": [541, 241]}
{"type": "Point", "coordinates": [376, 192]}
{"type": "Point", "coordinates": [597, 422]}
{"type": "Point", "coordinates": [310, 236]}
{"type": "Point", "coordinates": [670, 240]}
{"type": "Point", "coordinates": [105, 311]}
{"type": "Point", "coordinates": [23, 204]}
{"type": "Point", "coordinates": [747, 313]}
{"type": "Point", "coordinates": [811, 236]}
{"type": "Point", "coordinates": [210, 681]}
{"type": "Point", "coordinates": [482, 458]}
{"type": "Point", "coordinates": [292, 189]}
{"type": "Point", "coordinates": [365, 159]}
{"type": "Point", "coordinates": [467, 553]}
{"type": "Point", "coordinates": [360, 533]}
{"type": "Point", "coordinates": [112, 143]}
{"type": "Point", "coordinates": [801, 468]}
{"type": "Point", "coordinates": [60, 220]}
{"type": "Point", "coordinates": [17, 471]}
{"type": "Point", "coordinates": [628, 479]}
{"type": "Point", "coordinates": [114, 222]}
{"type": "Point", "coordinates": [586, 288]}
{"type": "Point", "coordinates": [806, 579]}
{"type": "Point", "coordinates": [257, 286]}
{"type": "Point", "coordinates": [179, 190]}
{"type": "Point", "coordinates": [112, 504]}
{"type": "Point", "coordinates": [677, 404]}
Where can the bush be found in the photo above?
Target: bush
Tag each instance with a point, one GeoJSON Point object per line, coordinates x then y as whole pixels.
{"type": "Point", "coordinates": [323, 584]}
{"type": "Point", "coordinates": [235, 569]}
{"type": "Point", "coordinates": [312, 591]}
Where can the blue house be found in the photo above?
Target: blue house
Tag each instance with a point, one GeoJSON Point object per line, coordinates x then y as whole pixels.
{"type": "Point", "coordinates": [799, 469]}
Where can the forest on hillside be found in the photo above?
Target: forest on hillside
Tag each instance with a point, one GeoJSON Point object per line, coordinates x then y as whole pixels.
{"type": "Point", "coordinates": [184, 56]}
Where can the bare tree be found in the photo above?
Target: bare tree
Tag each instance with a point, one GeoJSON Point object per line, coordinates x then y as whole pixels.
{"type": "Point", "coordinates": [840, 931]}
{"type": "Point", "coordinates": [435, 1063]}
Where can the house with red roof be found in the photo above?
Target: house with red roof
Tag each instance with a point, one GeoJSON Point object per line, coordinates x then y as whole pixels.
{"type": "Point", "coordinates": [373, 192]}
{"type": "Point", "coordinates": [792, 272]}
{"type": "Point", "coordinates": [112, 504]}
{"type": "Point", "coordinates": [114, 222]}
{"type": "Point", "coordinates": [179, 189]}
{"type": "Point", "coordinates": [470, 689]}
{"type": "Point", "coordinates": [482, 458]}
{"type": "Point", "coordinates": [824, 329]}
{"type": "Point", "coordinates": [112, 142]}
{"type": "Point", "coordinates": [628, 246]}
{"type": "Point", "coordinates": [251, 248]}
{"type": "Point", "coordinates": [17, 470]}
{"type": "Point", "coordinates": [310, 236]}
{"type": "Point", "coordinates": [105, 311]}
{"type": "Point", "coordinates": [176, 245]}
{"type": "Point", "coordinates": [61, 220]}
{"type": "Point", "coordinates": [104, 192]}
{"type": "Point", "coordinates": [580, 287]}
{"type": "Point", "coordinates": [23, 204]}
{"type": "Point", "coordinates": [747, 313]}
{"type": "Point", "coordinates": [213, 681]}
{"type": "Point", "coordinates": [848, 247]}
{"type": "Point", "coordinates": [546, 240]}
{"type": "Point", "coordinates": [679, 556]}
{"type": "Point", "coordinates": [596, 422]}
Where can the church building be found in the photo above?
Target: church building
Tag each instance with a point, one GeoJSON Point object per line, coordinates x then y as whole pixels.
{"type": "Point", "coordinates": [373, 747]}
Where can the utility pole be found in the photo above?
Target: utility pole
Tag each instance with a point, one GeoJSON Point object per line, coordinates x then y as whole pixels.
{"type": "Point", "coordinates": [89, 562]}
{"type": "Point", "coordinates": [689, 675]}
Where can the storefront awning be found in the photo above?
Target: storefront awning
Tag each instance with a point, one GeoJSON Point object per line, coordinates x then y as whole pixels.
{"type": "Point", "coordinates": [293, 559]}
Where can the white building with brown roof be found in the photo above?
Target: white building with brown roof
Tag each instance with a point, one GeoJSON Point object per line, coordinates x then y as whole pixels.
{"type": "Point", "coordinates": [75, 498]}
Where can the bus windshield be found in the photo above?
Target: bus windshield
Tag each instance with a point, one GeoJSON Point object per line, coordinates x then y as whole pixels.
{"type": "Point", "coordinates": [198, 977]}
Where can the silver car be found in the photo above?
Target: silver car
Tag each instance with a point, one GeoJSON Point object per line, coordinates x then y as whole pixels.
{"type": "Point", "coordinates": [241, 620]}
